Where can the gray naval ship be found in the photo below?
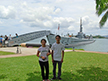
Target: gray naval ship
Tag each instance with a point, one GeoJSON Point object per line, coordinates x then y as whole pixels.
{"type": "Point", "coordinates": [80, 38]}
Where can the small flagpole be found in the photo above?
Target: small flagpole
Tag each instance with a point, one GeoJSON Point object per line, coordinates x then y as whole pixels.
{"type": "Point", "coordinates": [58, 28]}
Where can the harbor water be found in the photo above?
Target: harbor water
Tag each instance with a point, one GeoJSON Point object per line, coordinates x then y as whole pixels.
{"type": "Point", "coordinates": [100, 45]}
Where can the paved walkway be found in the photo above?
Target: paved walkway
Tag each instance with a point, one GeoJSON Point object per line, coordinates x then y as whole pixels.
{"type": "Point", "coordinates": [24, 51]}
{"type": "Point", "coordinates": [30, 51]}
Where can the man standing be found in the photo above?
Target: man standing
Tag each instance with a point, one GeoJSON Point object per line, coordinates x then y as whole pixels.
{"type": "Point", "coordinates": [16, 35]}
{"type": "Point", "coordinates": [10, 38]}
{"type": "Point", "coordinates": [1, 40]}
{"type": "Point", "coordinates": [6, 40]}
{"type": "Point", "coordinates": [57, 48]}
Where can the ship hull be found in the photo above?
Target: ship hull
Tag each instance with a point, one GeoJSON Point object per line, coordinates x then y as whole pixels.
{"type": "Point", "coordinates": [69, 41]}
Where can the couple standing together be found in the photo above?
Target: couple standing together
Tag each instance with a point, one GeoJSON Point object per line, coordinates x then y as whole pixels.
{"type": "Point", "coordinates": [57, 57]}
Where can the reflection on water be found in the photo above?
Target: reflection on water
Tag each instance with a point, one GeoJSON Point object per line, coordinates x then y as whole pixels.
{"type": "Point", "coordinates": [100, 45]}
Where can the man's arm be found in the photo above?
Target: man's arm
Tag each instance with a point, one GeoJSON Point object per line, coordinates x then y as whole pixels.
{"type": "Point", "coordinates": [48, 53]}
{"type": "Point", "coordinates": [52, 56]}
{"type": "Point", "coordinates": [62, 56]}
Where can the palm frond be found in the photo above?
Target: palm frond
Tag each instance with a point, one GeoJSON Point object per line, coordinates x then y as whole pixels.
{"type": "Point", "coordinates": [101, 6]}
{"type": "Point", "coordinates": [103, 20]}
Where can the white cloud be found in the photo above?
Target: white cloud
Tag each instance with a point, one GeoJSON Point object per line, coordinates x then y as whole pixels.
{"type": "Point", "coordinates": [7, 12]}
{"type": "Point", "coordinates": [85, 20]}
{"type": "Point", "coordinates": [24, 4]}
{"type": "Point", "coordinates": [43, 17]}
{"type": "Point", "coordinates": [47, 14]}
{"type": "Point", "coordinates": [57, 10]}
{"type": "Point", "coordinates": [64, 22]}
{"type": "Point", "coordinates": [71, 28]}
{"type": "Point", "coordinates": [1, 22]}
{"type": "Point", "coordinates": [58, 1]}
{"type": "Point", "coordinates": [47, 24]}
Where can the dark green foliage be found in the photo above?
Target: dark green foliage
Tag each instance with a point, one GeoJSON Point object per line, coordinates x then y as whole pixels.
{"type": "Point", "coordinates": [102, 8]}
{"type": "Point", "coordinates": [98, 36]}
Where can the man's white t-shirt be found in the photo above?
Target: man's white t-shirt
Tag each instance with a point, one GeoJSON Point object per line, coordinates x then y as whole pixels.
{"type": "Point", "coordinates": [57, 48]}
{"type": "Point", "coordinates": [43, 51]}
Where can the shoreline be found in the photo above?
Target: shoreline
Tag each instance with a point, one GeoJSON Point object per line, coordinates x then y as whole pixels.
{"type": "Point", "coordinates": [32, 51]}
{"type": "Point", "coordinates": [92, 52]}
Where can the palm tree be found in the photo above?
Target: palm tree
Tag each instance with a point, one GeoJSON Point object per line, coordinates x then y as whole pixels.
{"type": "Point", "coordinates": [102, 9]}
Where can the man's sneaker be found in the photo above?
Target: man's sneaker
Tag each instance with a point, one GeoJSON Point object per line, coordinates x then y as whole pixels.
{"type": "Point", "coordinates": [59, 78]}
{"type": "Point", "coordinates": [53, 78]}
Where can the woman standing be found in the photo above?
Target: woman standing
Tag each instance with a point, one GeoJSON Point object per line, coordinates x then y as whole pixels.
{"type": "Point", "coordinates": [43, 59]}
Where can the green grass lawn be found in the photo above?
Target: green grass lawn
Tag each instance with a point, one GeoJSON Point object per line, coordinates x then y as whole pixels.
{"type": "Point", "coordinates": [6, 53]}
{"type": "Point", "coordinates": [72, 49]}
{"type": "Point", "coordinates": [77, 66]}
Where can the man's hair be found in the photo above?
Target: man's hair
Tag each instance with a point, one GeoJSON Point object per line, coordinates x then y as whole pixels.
{"type": "Point", "coordinates": [43, 40]}
{"type": "Point", "coordinates": [58, 36]}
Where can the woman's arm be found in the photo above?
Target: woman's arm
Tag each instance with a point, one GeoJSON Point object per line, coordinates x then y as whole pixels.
{"type": "Point", "coordinates": [52, 56]}
{"type": "Point", "coordinates": [40, 56]}
{"type": "Point", "coordinates": [38, 53]}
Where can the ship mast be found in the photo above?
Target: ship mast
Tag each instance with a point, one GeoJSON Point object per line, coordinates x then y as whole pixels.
{"type": "Point", "coordinates": [80, 24]}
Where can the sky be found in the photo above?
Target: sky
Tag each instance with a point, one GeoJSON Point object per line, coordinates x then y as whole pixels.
{"type": "Point", "coordinates": [23, 16]}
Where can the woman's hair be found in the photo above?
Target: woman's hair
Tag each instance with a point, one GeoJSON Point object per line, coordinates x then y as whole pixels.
{"type": "Point", "coordinates": [43, 40]}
